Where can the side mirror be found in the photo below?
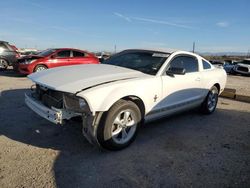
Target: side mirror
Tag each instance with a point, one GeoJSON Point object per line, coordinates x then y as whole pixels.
{"type": "Point", "coordinates": [175, 70]}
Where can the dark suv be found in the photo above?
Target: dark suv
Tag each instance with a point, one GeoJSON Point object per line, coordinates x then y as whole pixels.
{"type": "Point", "coordinates": [8, 55]}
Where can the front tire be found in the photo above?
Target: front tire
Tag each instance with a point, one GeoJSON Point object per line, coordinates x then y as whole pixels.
{"type": "Point", "coordinates": [210, 103]}
{"type": "Point", "coordinates": [119, 126]}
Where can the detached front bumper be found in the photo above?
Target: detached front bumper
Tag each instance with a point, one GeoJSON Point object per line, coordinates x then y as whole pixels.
{"type": "Point", "coordinates": [54, 115]}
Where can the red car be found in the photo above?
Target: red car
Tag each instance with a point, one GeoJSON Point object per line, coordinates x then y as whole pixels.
{"type": "Point", "coordinates": [54, 58]}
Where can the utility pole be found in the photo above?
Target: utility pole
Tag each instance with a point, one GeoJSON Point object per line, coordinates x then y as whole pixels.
{"type": "Point", "coordinates": [193, 47]}
{"type": "Point", "coordinates": [115, 48]}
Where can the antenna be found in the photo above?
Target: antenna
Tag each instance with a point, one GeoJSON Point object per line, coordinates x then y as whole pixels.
{"type": "Point", "coordinates": [193, 47]}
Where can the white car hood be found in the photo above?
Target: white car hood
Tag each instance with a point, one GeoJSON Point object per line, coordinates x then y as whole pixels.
{"type": "Point", "coordinates": [78, 77]}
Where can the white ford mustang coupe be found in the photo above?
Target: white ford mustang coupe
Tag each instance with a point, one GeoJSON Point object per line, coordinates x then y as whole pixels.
{"type": "Point", "coordinates": [131, 87]}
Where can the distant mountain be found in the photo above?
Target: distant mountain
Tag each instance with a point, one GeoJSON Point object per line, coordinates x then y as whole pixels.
{"type": "Point", "coordinates": [223, 53]}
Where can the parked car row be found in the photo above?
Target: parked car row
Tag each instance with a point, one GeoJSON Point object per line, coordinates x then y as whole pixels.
{"type": "Point", "coordinates": [27, 62]}
{"type": "Point", "coordinates": [102, 56]}
{"type": "Point", "coordinates": [234, 67]}
{"type": "Point", "coordinates": [25, 52]}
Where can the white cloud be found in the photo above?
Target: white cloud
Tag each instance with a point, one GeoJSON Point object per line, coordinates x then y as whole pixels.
{"type": "Point", "coordinates": [162, 22]}
{"type": "Point", "coordinates": [122, 16]}
{"type": "Point", "coordinates": [154, 21]}
{"type": "Point", "coordinates": [222, 24]}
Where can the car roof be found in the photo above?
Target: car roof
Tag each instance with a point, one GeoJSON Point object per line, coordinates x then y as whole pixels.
{"type": "Point", "coordinates": [1, 41]}
{"type": "Point", "coordinates": [65, 49]}
{"type": "Point", "coordinates": [86, 51]}
{"type": "Point", "coordinates": [165, 50]}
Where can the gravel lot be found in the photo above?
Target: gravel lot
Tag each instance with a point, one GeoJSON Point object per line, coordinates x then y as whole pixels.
{"type": "Point", "coordinates": [240, 83]}
{"type": "Point", "coordinates": [187, 150]}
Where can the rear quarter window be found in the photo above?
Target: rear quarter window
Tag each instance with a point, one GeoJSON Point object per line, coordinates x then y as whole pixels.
{"type": "Point", "coordinates": [63, 54]}
{"type": "Point", "coordinates": [79, 54]}
{"type": "Point", "coordinates": [206, 65]}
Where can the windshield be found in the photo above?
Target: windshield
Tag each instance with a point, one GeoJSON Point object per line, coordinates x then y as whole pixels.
{"type": "Point", "coordinates": [145, 61]}
{"type": "Point", "coordinates": [46, 52]}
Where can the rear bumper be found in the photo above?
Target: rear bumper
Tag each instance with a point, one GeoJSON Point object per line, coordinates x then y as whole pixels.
{"type": "Point", "coordinates": [53, 115]}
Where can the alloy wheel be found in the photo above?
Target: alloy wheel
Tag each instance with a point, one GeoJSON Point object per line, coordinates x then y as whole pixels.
{"type": "Point", "coordinates": [124, 126]}
{"type": "Point", "coordinates": [212, 100]}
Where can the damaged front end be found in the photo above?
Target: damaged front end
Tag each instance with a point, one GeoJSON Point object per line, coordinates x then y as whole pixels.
{"type": "Point", "coordinates": [57, 106]}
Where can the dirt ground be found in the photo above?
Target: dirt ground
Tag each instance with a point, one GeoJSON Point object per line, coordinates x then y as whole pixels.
{"type": "Point", "coordinates": [187, 150]}
{"type": "Point", "coordinates": [240, 83]}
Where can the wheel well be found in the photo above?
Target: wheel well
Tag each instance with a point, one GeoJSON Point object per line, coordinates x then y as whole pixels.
{"type": "Point", "coordinates": [5, 59]}
{"type": "Point", "coordinates": [218, 86]}
{"type": "Point", "coordinates": [39, 65]}
{"type": "Point", "coordinates": [138, 102]}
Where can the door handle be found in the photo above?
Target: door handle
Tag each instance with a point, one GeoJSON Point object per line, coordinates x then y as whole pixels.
{"type": "Point", "coordinates": [198, 79]}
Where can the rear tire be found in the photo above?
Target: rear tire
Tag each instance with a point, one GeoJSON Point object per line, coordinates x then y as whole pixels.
{"type": "Point", "coordinates": [3, 64]}
{"type": "Point", "coordinates": [39, 68]}
{"type": "Point", "coordinates": [210, 103]}
{"type": "Point", "coordinates": [119, 126]}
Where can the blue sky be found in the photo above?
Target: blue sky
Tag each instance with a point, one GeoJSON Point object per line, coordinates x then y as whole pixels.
{"type": "Point", "coordinates": [215, 25]}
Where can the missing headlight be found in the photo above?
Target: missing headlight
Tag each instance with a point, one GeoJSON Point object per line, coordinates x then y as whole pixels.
{"type": "Point", "coordinates": [74, 103]}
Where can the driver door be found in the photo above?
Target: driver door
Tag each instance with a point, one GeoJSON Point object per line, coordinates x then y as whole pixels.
{"type": "Point", "coordinates": [62, 58]}
{"type": "Point", "coordinates": [182, 91]}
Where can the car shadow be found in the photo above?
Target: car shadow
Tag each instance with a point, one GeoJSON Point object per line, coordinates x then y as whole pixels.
{"type": "Point", "coordinates": [10, 73]}
{"type": "Point", "coordinates": [188, 149]}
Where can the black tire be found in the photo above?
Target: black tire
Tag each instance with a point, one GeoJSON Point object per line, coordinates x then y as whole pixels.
{"type": "Point", "coordinates": [3, 64]}
{"type": "Point", "coordinates": [210, 103]}
{"type": "Point", "coordinates": [108, 126]}
{"type": "Point", "coordinates": [39, 68]}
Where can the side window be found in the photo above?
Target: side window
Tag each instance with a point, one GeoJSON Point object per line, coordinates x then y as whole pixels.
{"type": "Point", "coordinates": [206, 65]}
{"type": "Point", "coordinates": [78, 54]}
{"type": "Point", "coordinates": [63, 54]}
{"type": "Point", "coordinates": [189, 63]}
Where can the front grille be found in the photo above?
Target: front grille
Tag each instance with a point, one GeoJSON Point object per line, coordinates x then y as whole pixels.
{"type": "Point", "coordinates": [50, 101]}
{"type": "Point", "coordinates": [49, 97]}
{"type": "Point", "coordinates": [243, 69]}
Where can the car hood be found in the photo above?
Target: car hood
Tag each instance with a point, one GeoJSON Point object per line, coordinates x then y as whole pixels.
{"type": "Point", "coordinates": [79, 77]}
{"type": "Point", "coordinates": [29, 57]}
